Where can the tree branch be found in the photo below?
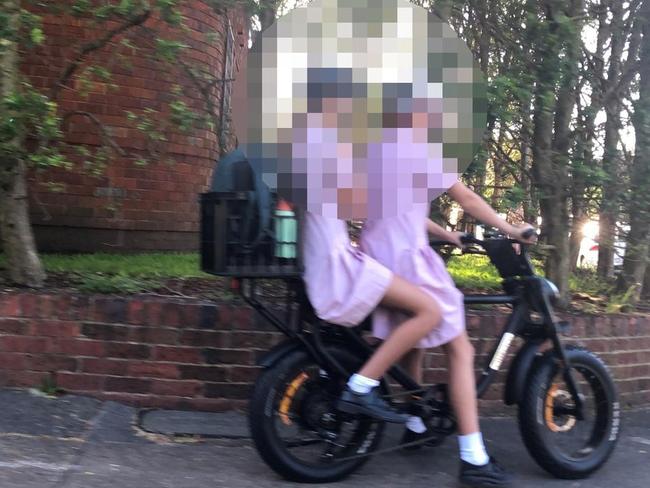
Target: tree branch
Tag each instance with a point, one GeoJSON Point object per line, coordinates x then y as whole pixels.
{"type": "Point", "coordinates": [89, 47]}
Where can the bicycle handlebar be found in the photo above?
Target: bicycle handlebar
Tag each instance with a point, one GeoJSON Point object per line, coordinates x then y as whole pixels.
{"type": "Point", "coordinates": [469, 238]}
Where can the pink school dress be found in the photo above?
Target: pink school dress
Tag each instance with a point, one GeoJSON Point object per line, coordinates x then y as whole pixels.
{"type": "Point", "coordinates": [343, 284]}
{"type": "Point", "coordinates": [401, 244]}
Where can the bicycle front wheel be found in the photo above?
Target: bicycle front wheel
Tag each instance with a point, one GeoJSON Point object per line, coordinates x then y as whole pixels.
{"type": "Point", "coordinates": [563, 445]}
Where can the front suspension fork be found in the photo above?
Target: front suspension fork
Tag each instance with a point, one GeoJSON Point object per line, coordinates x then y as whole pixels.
{"type": "Point", "coordinates": [568, 376]}
{"type": "Point", "coordinates": [554, 324]}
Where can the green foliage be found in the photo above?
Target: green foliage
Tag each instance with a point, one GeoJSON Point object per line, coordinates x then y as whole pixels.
{"type": "Point", "coordinates": [473, 272]}
{"type": "Point", "coordinates": [28, 113]}
{"type": "Point", "coordinates": [48, 386]}
{"type": "Point", "coordinates": [142, 265]}
{"type": "Point", "coordinates": [119, 283]}
{"type": "Point", "coordinates": [182, 116]}
{"type": "Point", "coordinates": [169, 50]}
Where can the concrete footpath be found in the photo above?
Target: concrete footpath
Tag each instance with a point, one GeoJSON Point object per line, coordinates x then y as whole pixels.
{"type": "Point", "coordinates": [77, 442]}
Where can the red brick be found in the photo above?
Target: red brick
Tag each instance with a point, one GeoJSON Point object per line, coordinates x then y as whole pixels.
{"type": "Point", "coordinates": [28, 305]}
{"type": "Point", "coordinates": [48, 306]}
{"type": "Point", "coordinates": [153, 335]}
{"type": "Point", "coordinates": [171, 315]}
{"type": "Point", "coordinates": [153, 370]}
{"type": "Point", "coordinates": [51, 362]}
{"type": "Point", "coordinates": [128, 385]}
{"type": "Point", "coordinates": [176, 388]}
{"type": "Point", "coordinates": [243, 374]}
{"type": "Point", "coordinates": [77, 347]}
{"type": "Point", "coordinates": [25, 379]}
{"type": "Point", "coordinates": [110, 310]}
{"type": "Point", "coordinates": [177, 354]}
{"type": "Point", "coordinates": [104, 366]}
{"type": "Point", "coordinates": [9, 305]}
{"type": "Point", "coordinates": [54, 328]}
{"type": "Point", "coordinates": [105, 332]}
{"type": "Point", "coordinates": [79, 381]}
{"type": "Point", "coordinates": [13, 326]}
{"type": "Point", "coordinates": [17, 361]}
{"type": "Point", "coordinates": [204, 373]}
{"type": "Point", "coordinates": [228, 356]}
{"type": "Point", "coordinates": [136, 312]}
{"type": "Point", "coordinates": [127, 350]}
{"type": "Point", "coordinates": [23, 344]}
{"type": "Point", "coordinates": [227, 390]}
{"type": "Point", "coordinates": [202, 338]}
{"type": "Point", "coordinates": [260, 340]}
{"type": "Point", "coordinates": [152, 313]}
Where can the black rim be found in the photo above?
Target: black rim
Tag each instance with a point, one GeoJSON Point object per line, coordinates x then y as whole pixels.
{"type": "Point", "coordinates": [307, 425]}
{"type": "Point", "coordinates": [572, 439]}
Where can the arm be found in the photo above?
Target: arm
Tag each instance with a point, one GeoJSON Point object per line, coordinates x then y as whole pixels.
{"type": "Point", "coordinates": [443, 234]}
{"type": "Point", "coordinates": [474, 205]}
{"type": "Point", "coordinates": [436, 230]}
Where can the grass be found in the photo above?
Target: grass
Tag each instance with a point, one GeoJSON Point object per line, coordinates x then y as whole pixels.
{"type": "Point", "coordinates": [121, 273]}
{"type": "Point", "coordinates": [146, 265]}
{"type": "Point", "coordinates": [473, 271]}
{"type": "Point", "coordinates": [132, 273]}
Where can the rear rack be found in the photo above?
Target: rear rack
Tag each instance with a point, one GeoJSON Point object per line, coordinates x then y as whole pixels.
{"type": "Point", "coordinates": [229, 239]}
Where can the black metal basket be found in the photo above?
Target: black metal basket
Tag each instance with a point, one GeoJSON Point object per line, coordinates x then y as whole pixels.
{"type": "Point", "coordinates": [226, 250]}
{"type": "Point", "coordinates": [508, 263]}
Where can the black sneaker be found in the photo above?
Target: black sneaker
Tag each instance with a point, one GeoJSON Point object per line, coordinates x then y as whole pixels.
{"type": "Point", "coordinates": [410, 436]}
{"type": "Point", "coordinates": [370, 404]}
{"type": "Point", "coordinates": [490, 475]}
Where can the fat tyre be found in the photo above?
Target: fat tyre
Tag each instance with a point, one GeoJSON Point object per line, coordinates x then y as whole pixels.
{"type": "Point", "coordinates": [271, 448]}
{"type": "Point", "coordinates": [533, 427]}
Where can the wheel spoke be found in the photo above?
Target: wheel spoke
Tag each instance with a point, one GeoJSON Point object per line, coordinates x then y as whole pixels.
{"type": "Point", "coordinates": [302, 442]}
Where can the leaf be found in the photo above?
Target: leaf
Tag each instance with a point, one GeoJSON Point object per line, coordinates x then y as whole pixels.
{"type": "Point", "coordinates": [36, 35]}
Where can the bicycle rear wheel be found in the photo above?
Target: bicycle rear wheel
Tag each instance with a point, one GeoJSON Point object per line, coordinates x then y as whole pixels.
{"type": "Point", "coordinates": [563, 445]}
{"type": "Point", "coordinates": [296, 427]}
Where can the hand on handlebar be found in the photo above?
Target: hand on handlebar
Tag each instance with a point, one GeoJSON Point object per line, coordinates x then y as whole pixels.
{"type": "Point", "coordinates": [524, 233]}
{"type": "Point", "coordinates": [456, 238]}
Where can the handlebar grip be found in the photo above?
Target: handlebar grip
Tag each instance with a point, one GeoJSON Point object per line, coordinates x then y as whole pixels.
{"type": "Point", "coordinates": [528, 233]}
{"type": "Point", "coordinates": [467, 238]}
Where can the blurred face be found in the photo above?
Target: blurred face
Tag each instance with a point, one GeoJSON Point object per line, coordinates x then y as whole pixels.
{"type": "Point", "coordinates": [362, 109]}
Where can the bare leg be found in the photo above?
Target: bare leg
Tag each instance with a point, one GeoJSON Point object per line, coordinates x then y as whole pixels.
{"type": "Point", "coordinates": [412, 362]}
{"type": "Point", "coordinates": [462, 383]}
{"type": "Point", "coordinates": [426, 316]}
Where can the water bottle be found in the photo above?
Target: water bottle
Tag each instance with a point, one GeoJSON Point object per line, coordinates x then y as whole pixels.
{"type": "Point", "coordinates": [285, 231]}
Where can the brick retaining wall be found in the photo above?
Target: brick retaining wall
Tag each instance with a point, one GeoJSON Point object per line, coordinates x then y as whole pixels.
{"type": "Point", "coordinates": [187, 354]}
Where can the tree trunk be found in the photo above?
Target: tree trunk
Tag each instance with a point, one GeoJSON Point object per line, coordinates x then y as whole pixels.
{"type": "Point", "coordinates": [636, 251]}
{"type": "Point", "coordinates": [645, 291]}
{"type": "Point", "coordinates": [609, 207]}
{"type": "Point", "coordinates": [23, 263]}
{"type": "Point", "coordinates": [552, 119]}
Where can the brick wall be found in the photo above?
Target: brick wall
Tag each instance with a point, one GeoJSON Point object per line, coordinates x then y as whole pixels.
{"type": "Point", "coordinates": [129, 207]}
{"type": "Point", "coordinates": [200, 355]}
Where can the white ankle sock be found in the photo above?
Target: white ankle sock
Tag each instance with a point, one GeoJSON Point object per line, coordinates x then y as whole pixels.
{"type": "Point", "coordinates": [472, 449]}
{"type": "Point", "coordinates": [361, 384]}
{"type": "Point", "coordinates": [416, 425]}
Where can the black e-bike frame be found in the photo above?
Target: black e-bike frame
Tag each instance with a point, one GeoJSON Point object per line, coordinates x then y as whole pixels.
{"type": "Point", "coordinates": [532, 319]}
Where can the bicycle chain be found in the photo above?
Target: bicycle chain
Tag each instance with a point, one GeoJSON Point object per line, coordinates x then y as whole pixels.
{"type": "Point", "coordinates": [391, 449]}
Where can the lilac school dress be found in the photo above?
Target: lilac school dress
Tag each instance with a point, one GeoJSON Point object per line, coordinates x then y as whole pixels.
{"type": "Point", "coordinates": [343, 284]}
{"type": "Point", "coordinates": [401, 244]}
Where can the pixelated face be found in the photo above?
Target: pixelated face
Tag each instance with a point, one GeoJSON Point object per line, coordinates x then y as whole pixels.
{"type": "Point", "coordinates": [362, 108]}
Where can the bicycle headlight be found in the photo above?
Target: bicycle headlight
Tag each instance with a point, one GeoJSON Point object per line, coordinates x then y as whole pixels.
{"type": "Point", "coordinates": [551, 291]}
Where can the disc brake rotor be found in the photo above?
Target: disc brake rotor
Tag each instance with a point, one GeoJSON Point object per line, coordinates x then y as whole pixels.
{"type": "Point", "coordinates": [557, 423]}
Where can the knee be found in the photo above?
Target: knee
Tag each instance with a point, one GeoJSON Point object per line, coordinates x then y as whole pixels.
{"type": "Point", "coordinates": [430, 314]}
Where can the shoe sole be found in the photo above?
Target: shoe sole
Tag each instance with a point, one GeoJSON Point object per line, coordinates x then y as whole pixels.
{"type": "Point", "coordinates": [483, 484]}
{"type": "Point", "coordinates": [355, 409]}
